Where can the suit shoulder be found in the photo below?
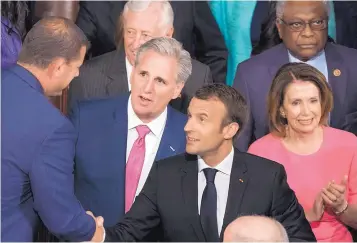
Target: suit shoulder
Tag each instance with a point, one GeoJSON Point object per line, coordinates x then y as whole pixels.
{"type": "Point", "coordinates": [260, 59]}
{"type": "Point", "coordinates": [259, 164]}
{"type": "Point", "coordinates": [172, 163]}
{"type": "Point", "coordinates": [99, 61]}
{"type": "Point", "coordinates": [198, 65]}
{"type": "Point", "coordinates": [176, 115]}
{"type": "Point", "coordinates": [100, 104]}
{"type": "Point", "coordinates": [345, 51]}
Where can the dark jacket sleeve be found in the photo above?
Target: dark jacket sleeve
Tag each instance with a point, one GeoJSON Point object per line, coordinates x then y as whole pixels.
{"type": "Point", "coordinates": [287, 210]}
{"type": "Point", "coordinates": [209, 44]}
{"type": "Point", "coordinates": [142, 218]}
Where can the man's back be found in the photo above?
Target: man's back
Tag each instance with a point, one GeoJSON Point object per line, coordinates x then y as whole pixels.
{"type": "Point", "coordinates": [31, 129]}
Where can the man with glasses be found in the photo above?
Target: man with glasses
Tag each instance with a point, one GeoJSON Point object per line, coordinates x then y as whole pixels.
{"type": "Point", "coordinates": [303, 27]}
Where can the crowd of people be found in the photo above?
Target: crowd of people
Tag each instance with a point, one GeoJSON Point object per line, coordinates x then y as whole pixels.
{"type": "Point", "coordinates": [158, 146]}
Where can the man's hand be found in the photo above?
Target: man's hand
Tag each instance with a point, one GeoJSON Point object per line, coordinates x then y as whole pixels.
{"type": "Point", "coordinates": [99, 233]}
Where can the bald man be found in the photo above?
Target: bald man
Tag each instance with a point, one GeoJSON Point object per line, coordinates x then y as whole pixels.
{"type": "Point", "coordinates": [255, 229]}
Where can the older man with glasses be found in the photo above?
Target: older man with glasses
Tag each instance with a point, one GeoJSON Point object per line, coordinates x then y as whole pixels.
{"type": "Point", "coordinates": [303, 28]}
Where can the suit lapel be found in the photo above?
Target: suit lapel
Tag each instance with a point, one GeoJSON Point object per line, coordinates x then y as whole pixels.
{"type": "Point", "coordinates": [168, 144]}
{"type": "Point", "coordinates": [117, 77]}
{"type": "Point", "coordinates": [281, 57]}
{"type": "Point", "coordinates": [190, 193]}
{"type": "Point", "coordinates": [337, 78]}
{"type": "Point", "coordinates": [238, 182]}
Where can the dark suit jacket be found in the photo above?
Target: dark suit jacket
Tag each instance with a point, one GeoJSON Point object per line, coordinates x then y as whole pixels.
{"type": "Point", "coordinates": [254, 77]}
{"type": "Point", "coordinates": [195, 27]}
{"type": "Point", "coordinates": [346, 23]}
{"type": "Point", "coordinates": [169, 200]}
{"type": "Point", "coordinates": [105, 76]}
{"type": "Point", "coordinates": [100, 159]}
{"type": "Point", "coordinates": [37, 153]}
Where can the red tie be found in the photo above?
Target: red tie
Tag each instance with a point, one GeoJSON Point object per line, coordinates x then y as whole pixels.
{"type": "Point", "coordinates": [134, 166]}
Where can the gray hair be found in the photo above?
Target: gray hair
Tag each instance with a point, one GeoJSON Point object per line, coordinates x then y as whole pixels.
{"type": "Point", "coordinates": [167, 18]}
{"type": "Point", "coordinates": [280, 5]}
{"type": "Point", "coordinates": [172, 48]}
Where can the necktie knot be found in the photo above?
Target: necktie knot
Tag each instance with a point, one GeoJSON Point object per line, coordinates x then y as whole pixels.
{"type": "Point", "coordinates": [142, 130]}
{"type": "Point", "coordinates": [210, 174]}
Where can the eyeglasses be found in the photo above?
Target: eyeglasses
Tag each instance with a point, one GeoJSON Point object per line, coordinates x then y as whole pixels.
{"type": "Point", "coordinates": [298, 26]}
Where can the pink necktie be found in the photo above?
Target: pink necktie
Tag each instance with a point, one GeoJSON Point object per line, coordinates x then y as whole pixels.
{"type": "Point", "coordinates": [134, 166]}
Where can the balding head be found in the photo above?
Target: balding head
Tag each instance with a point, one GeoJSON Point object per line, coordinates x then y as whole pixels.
{"type": "Point", "coordinates": [53, 51]}
{"type": "Point", "coordinates": [255, 229]}
{"type": "Point", "coordinates": [52, 38]}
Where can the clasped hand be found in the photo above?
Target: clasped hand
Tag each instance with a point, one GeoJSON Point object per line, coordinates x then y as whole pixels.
{"type": "Point", "coordinates": [333, 197]}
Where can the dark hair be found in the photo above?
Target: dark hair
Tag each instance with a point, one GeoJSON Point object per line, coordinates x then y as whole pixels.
{"type": "Point", "coordinates": [269, 35]}
{"type": "Point", "coordinates": [287, 74]}
{"type": "Point", "coordinates": [51, 38]}
{"type": "Point", "coordinates": [15, 12]}
{"type": "Point", "coordinates": [234, 102]}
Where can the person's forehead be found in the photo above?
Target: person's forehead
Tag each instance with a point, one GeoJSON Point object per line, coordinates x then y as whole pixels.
{"type": "Point", "coordinates": [209, 106]}
{"type": "Point", "coordinates": [307, 8]}
{"type": "Point", "coordinates": [148, 16]}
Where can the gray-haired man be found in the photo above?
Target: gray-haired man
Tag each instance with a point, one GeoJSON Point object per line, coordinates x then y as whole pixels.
{"type": "Point", "coordinates": [120, 138]}
{"type": "Point", "coordinates": [108, 75]}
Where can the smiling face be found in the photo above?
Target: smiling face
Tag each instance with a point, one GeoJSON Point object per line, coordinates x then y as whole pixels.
{"type": "Point", "coordinates": [142, 26]}
{"type": "Point", "coordinates": [302, 106]}
{"type": "Point", "coordinates": [153, 84]}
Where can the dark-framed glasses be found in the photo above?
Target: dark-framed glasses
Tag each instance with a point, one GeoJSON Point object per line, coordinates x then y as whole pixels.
{"type": "Point", "coordinates": [298, 26]}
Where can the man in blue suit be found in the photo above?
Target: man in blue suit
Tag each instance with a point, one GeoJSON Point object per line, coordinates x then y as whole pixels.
{"type": "Point", "coordinates": [38, 141]}
{"type": "Point", "coordinates": [303, 27]}
{"type": "Point", "coordinates": [120, 138]}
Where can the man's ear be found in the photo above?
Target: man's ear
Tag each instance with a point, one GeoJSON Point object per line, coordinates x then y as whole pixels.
{"type": "Point", "coordinates": [231, 130]}
{"type": "Point", "coordinates": [170, 32]}
{"type": "Point", "coordinates": [56, 68]}
{"type": "Point", "coordinates": [178, 89]}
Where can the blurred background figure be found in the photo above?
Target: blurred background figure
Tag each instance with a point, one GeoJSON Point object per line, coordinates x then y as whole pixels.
{"type": "Point", "coordinates": [255, 229]}
{"type": "Point", "coordinates": [13, 30]}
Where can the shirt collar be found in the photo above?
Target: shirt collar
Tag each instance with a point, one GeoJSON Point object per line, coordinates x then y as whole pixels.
{"type": "Point", "coordinates": [156, 126]}
{"type": "Point", "coordinates": [318, 58]}
{"type": "Point", "coordinates": [225, 166]}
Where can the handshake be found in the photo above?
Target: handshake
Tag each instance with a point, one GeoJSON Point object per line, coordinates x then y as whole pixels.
{"type": "Point", "coordinates": [99, 234]}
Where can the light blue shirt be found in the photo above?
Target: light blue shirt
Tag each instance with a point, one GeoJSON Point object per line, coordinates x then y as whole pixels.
{"type": "Point", "coordinates": [318, 62]}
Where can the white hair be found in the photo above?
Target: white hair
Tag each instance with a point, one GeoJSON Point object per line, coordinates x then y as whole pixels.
{"type": "Point", "coordinates": [280, 5]}
{"type": "Point", "coordinates": [243, 231]}
{"type": "Point", "coordinates": [172, 48]}
{"type": "Point", "coordinates": [167, 18]}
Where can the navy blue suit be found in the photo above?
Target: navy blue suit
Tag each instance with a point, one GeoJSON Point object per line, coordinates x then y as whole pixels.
{"type": "Point", "coordinates": [100, 159]}
{"type": "Point", "coordinates": [37, 150]}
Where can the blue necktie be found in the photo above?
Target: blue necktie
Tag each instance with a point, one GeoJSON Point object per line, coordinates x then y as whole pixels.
{"type": "Point", "coordinates": [208, 210]}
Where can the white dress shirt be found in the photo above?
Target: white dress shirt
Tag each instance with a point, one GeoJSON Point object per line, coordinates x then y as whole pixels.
{"type": "Point", "coordinates": [221, 182]}
{"type": "Point", "coordinates": [129, 69]}
{"type": "Point", "coordinates": [152, 140]}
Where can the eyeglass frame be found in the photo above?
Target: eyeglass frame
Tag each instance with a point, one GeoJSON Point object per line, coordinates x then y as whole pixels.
{"type": "Point", "coordinates": [305, 24]}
